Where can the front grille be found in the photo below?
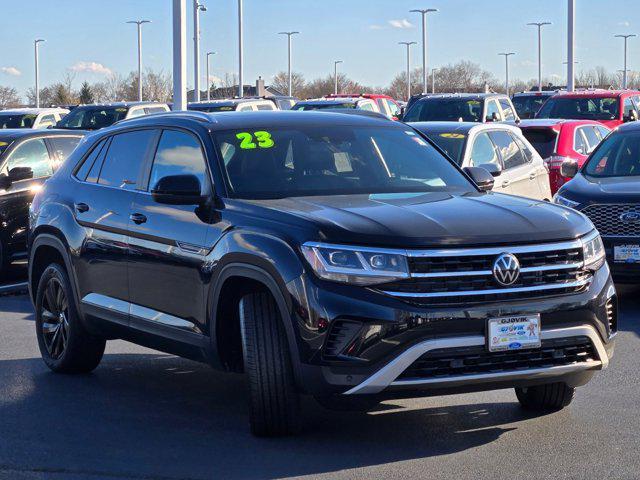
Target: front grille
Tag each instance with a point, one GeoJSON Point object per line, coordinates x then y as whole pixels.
{"type": "Point", "coordinates": [606, 218]}
{"type": "Point", "coordinates": [453, 362]}
{"type": "Point", "coordinates": [466, 276]}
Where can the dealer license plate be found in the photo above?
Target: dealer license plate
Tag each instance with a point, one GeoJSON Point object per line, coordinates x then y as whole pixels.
{"type": "Point", "coordinates": [626, 253]}
{"type": "Point", "coordinates": [513, 333]}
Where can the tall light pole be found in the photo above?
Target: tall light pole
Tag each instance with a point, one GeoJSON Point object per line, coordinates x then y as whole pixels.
{"type": "Point", "coordinates": [571, 45]}
{"type": "Point", "coordinates": [408, 45]}
{"type": "Point", "coordinates": [208, 76]}
{"type": "Point", "coordinates": [36, 48]}
{"type": "Point", "coordinates": [139, 23]}
{"type": "Point", "coordinates": [240, 52]}
{"type": "Point", "coordinates": [425, 70]}
{"type": "Point", "coordinates": [289, 35]}
{"type": "Point", "coordinates": [179, 54]}
{"type": "Point", "coordinates": [197, 8]}
{"type": "Point", "coordinates": [539, 25]}
{"type": "Point", "coordinates": [335, 76]}
{"type": "Point", "coordinates": [433, 79]}
{"type": "Point", "coordinates": [506, 64]}
{"type": "Point", "coordinates": [624, 72]}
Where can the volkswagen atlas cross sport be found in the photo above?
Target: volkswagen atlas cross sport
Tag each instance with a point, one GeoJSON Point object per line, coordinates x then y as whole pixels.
{"type": "Point", "coordinates": [340, 256]}
{"type": "Point", "coordinates": [607, 190]}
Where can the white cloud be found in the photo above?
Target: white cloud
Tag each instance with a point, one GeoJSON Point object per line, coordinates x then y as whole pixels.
{"type": "Point", "coordinates": [624, 24]}
{"type": "Point", "coordinates": [13, 71]}
{"type": "Point", "coordinates": [402, 23]}
{"type": "Point", "coordinates": [215, 80]}
{"type": "Point", "coordinates": [90, 67]}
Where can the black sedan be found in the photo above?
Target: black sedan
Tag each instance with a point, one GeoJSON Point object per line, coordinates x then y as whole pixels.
{"type": "Point", "coordinates": [607, 190]}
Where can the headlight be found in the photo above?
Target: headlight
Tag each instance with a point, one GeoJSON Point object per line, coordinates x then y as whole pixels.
{"type": "Point", "coordinates": [560, 200]}
{"type": "Point", "coordinates": [593, 252]}
{"type": "Point", "coordinates": [355, 265]}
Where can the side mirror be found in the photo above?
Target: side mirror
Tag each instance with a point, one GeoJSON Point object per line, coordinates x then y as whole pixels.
{"type": "Point", "coordinates": [5, 182]}
{"type": "Point", "coordinates": [20, 173]}
{"type": "Point", "coordinates": [178, 190]}
{"type": "Point", "coordinates": [493, 168]}
{"type": "Point", "coordinates": [569, 168]}
{"type": "Point", "coordinates": [483, 179]}
{"type": "Point", "coordinates": [493, 117]}
{"type": "Point", "coordinates": [632, 117]}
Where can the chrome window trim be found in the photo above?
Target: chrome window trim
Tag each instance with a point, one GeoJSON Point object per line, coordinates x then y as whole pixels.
{"type": "Point", "coordinates": [388, 374]}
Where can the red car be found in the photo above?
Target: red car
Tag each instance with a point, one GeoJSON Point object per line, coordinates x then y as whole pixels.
{"type": "Point", "coordinates": [386, 104]}
{"type": "Point", "coordinates": [609, 107]}
{"type": "Point", "coordinates": [560, 140]}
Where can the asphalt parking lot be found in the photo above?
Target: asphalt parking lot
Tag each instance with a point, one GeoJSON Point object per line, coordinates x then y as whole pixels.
{"type": "Point", "coordinates": [146, 415]}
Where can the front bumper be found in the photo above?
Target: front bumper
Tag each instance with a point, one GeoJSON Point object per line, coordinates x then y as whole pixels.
{"type": "Point", "coordinates": [413, 331]}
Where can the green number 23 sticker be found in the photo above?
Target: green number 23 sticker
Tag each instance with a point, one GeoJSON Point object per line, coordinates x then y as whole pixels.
{"type": "Point", "coordinates": [247, 140]}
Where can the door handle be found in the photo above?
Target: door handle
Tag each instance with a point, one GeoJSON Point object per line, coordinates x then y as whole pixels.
{"type": "Point", "coordinates": [532, 176]}
{"type": "Point", "coordinates": [505, 183]}
{"type": "Point", "coordinates": [138, 218]}
{"type": "Point", "coordinates": [81, 207]}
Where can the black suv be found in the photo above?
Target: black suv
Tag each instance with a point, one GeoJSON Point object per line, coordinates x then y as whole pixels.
{"type": "Point", "coordinates": [334, 255]}
{"type": "Point", "coordinates": [27, 159]}
{"type": "Point", "coordinates": [460, 107]}
{"type": "Point", "coordinates": [607, 190]}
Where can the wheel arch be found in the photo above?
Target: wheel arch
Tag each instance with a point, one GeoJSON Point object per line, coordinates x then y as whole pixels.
{"type": "Point", "coordinates": [48, 243]}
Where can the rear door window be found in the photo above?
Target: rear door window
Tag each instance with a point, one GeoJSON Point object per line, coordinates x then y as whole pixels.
{"type": "Point", "coordinates": [124, 159]}
{"type": "Point", "coordinates": [510, 153]}
{"type": "Point", "coordinates": [526, 151]}
{"type": "Point", "coordinates": [88, 163]}
{"type": "Point", "coordinates": [580, 144]}
{"type": "Point", "coordinates": [591, 137]}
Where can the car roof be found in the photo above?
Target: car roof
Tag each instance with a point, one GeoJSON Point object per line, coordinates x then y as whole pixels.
{"type": "Point", "coordinates": [554, 122]}
{"type": "Point", "coordinates": [264, 119]}
{"type": "Point", "coordinates": [32, 111]}
{"type": "Point", "coordinates": [598, 93]}
{"type": "Point", "coordinates": [476, 96]}
{"type": "Point", "coordinates": [11, 134]}
{"type": "Point", "coordinates": [633, 127]}
{"type": "Point", "coordinates": [460, 127]}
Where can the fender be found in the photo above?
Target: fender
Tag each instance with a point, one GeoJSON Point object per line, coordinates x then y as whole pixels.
{"type": "Point", "coordinates": [258, 274]}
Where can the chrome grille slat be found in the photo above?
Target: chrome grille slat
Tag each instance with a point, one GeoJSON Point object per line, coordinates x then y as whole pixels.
{"type": "Point", "coordinates": [606, 218]}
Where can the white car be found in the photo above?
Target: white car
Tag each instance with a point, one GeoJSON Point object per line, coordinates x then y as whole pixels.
{"type": "Point", "coordinates": [500, 148]}
{"type": "Point", "coordinates": [100, 115]}
{"type": "Point", "coordinates": [233, 105]}
{"type": "Point", "coordinates": [31, 117]}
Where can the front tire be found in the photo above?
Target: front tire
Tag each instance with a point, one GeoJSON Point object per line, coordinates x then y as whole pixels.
{"type": "Point", "coordinates": [545, 398]}
{"type": "Point", "coordinates": [274, 407]}
{"type": "Point", "coordinates": [65, 345]}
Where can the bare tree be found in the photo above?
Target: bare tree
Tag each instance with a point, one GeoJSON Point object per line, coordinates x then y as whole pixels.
{"type": "Point", "coordinates": [281, 83]}
{"type": "Point", "coordinates": [9, 97]}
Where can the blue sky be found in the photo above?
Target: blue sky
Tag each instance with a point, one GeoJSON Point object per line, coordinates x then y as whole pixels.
{"type": "Point", "coordinates": [91, 36]}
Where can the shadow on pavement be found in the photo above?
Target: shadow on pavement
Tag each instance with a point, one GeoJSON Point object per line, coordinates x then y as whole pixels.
{"type": "Point", "coordinates": [163, 417]}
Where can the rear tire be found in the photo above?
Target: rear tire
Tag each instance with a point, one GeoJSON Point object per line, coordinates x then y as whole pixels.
{"type": "Point", "coordinates": [65, 345]}
{"type": "Point", "coordinates": [550, 397]}
{"type": "Point", "coordinates": [274, 407]}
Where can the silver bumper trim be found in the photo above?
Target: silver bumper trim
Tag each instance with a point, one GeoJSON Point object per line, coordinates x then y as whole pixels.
{"type": "Point", "coordinates": [388, 374]}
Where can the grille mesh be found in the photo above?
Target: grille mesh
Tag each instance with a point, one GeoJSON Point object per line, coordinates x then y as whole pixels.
{"type": "Point", "coordinates": [606, 218]}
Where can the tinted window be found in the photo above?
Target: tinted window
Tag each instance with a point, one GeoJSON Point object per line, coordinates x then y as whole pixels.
{"type": "Point", "coordinates": [542, 139]}
{"type": "Point", "coordinates": [483, 151]}
{"type": "Point", "coordinates": [245, 108]}
{"type": "Point", "coordinates": [618, 156]}
{"type": "Point", "coordinates": [265, 106]}
{"type": "Point", "coordinates": [509, 151]}
{"type": "Point", "coordinates": [451, 142]}
{"type": "Point", "coordinates": [445, 109]}
{"type": "Point", "coordinates": [150, 110]}
{"type": "Point", "coordinates": [528, 105]}
{"type": "Point", "coordinates": [333, 160]}
{"type": "Point", "coordinates": [628, 107]}
{"type": "Point", "coordinates": [63, 146]}
{"type": "Point", "coordinates": [47, 121]}
{"type": "Point", "coordinates": [212, 108]}
{"type": "Point", "coordinates": [321, 106]}
{"type": "Point", "coordinates": [16, 121]}
{"type": "Point", "coordinates": [507, 111]}
{"type": "Point", "coordinates": [178, 153]}
{"type": "Point", "coordinates": [138, 112]}
{"type": "Point", "coordinates": [89, 161]}
{"type": "Point", "coordinates": [492, 107]}
{"type": "Point", "coordinates": [592, 138]}
{"type": "Point", "coordinates": [32, 154]}
{"type": "Point", "coordinates": [393, 107]}
{"type": "Point", "coordinates": [92, 118]}
{"type": "Point", "coordinates": [580, 108]}
{"type": "Point", "coordinates": [124, 158]}
{"type": "Point", "coordinates": [367, 106]}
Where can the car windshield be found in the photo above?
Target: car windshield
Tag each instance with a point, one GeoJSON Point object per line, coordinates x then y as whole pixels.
{"type": "Point", "coordinates": [451, 142]}
{"type": "Point", "coordinates": [323, 106]}
{"type": "Point", "coordinates": [92, 118]}
{"type": "Point", "coordinates": [12, 120]}
{"type": "Point", "coordinates": [445, 109]}
{"type": "Point", "coordinates": [543, 140]}
{"type": "Point", "coordinates": [213, 108]}
{"type": "Point", "coordinates": [528, 105]}
{"type": "Point", "coordinates": [617, 156]}
{"type": "Point", "coordinates": [578, 108]}
{"type": "Point", "coordinates": [333, 160]}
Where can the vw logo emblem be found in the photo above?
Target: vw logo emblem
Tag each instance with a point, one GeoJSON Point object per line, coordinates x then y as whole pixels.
{"type": "Point", "coordinates": [631, 217]}
{"type": "Point", "coordinates": [506, 269]}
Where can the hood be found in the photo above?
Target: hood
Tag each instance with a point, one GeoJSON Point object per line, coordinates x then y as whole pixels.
{"type": "Point", "coordinates": [424, 219]}
{"type": "Point", "coordinates": [586, 189]}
